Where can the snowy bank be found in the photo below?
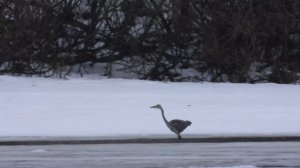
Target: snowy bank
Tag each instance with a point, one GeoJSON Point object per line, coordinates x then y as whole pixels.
{"type": "Point", "coordinates": [110, 107]}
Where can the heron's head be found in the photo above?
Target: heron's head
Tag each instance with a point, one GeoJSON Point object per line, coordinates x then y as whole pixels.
{"type": "Point", "coordinates": [158, 106]}
{"type": "Point", "coordinates": [188, 123]}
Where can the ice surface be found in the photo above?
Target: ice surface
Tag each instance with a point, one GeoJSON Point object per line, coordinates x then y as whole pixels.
{"type": "Point", "coordinates": [109, 107]}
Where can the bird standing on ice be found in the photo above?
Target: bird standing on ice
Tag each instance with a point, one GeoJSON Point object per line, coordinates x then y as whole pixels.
{"type": "Point", "coordinates": [176, 126]}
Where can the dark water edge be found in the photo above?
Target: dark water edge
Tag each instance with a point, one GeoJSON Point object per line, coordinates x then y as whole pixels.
{"type": "Point", "coordinates": [150, 140]}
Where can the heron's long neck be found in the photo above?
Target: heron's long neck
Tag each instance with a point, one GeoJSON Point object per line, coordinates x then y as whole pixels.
{"type": "Point", "coordinates": [163, 115]}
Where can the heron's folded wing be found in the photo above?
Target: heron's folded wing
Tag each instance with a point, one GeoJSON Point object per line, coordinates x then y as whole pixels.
{"type": "Point", "coordinates": [179, 125]}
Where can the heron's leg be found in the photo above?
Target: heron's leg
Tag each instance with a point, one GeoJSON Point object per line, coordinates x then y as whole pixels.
{"type": "Point", "coordinates": [179, 137]}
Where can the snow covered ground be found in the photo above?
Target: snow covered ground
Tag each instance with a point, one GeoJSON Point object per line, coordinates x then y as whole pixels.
{"type": "Point", "coordinates": [117, 107]}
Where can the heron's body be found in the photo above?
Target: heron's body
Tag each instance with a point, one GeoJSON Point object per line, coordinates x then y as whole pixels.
{"type": "Point", "coordinates": [176, 126]}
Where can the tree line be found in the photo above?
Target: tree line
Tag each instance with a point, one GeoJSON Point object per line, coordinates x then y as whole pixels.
{"type": "Point", "coordinates": [177, 40]}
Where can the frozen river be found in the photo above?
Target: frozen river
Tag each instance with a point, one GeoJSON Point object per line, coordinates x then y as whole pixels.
{"type": "Point", "coordinates": [191, 155]}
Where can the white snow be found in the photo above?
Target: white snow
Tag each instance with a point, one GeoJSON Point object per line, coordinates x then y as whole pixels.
{"type": "Point", "coordinates": [38, 151]}
{"type": "Point", "coordinates": [228, 167]}
{"type": "Point", "coordinates": [117, 107]}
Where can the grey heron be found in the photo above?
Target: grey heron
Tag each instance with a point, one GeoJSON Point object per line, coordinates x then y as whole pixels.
{"type": "Point", "coordinates": [176, 126]}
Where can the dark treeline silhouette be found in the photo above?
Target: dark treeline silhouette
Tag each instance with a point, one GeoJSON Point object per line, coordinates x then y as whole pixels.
{"type": "Point", "coordinates": [222, 40]}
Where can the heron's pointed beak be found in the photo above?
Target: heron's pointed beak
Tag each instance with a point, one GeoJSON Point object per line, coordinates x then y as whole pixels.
{"type": "Point", "coordinates": [154, 106]}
